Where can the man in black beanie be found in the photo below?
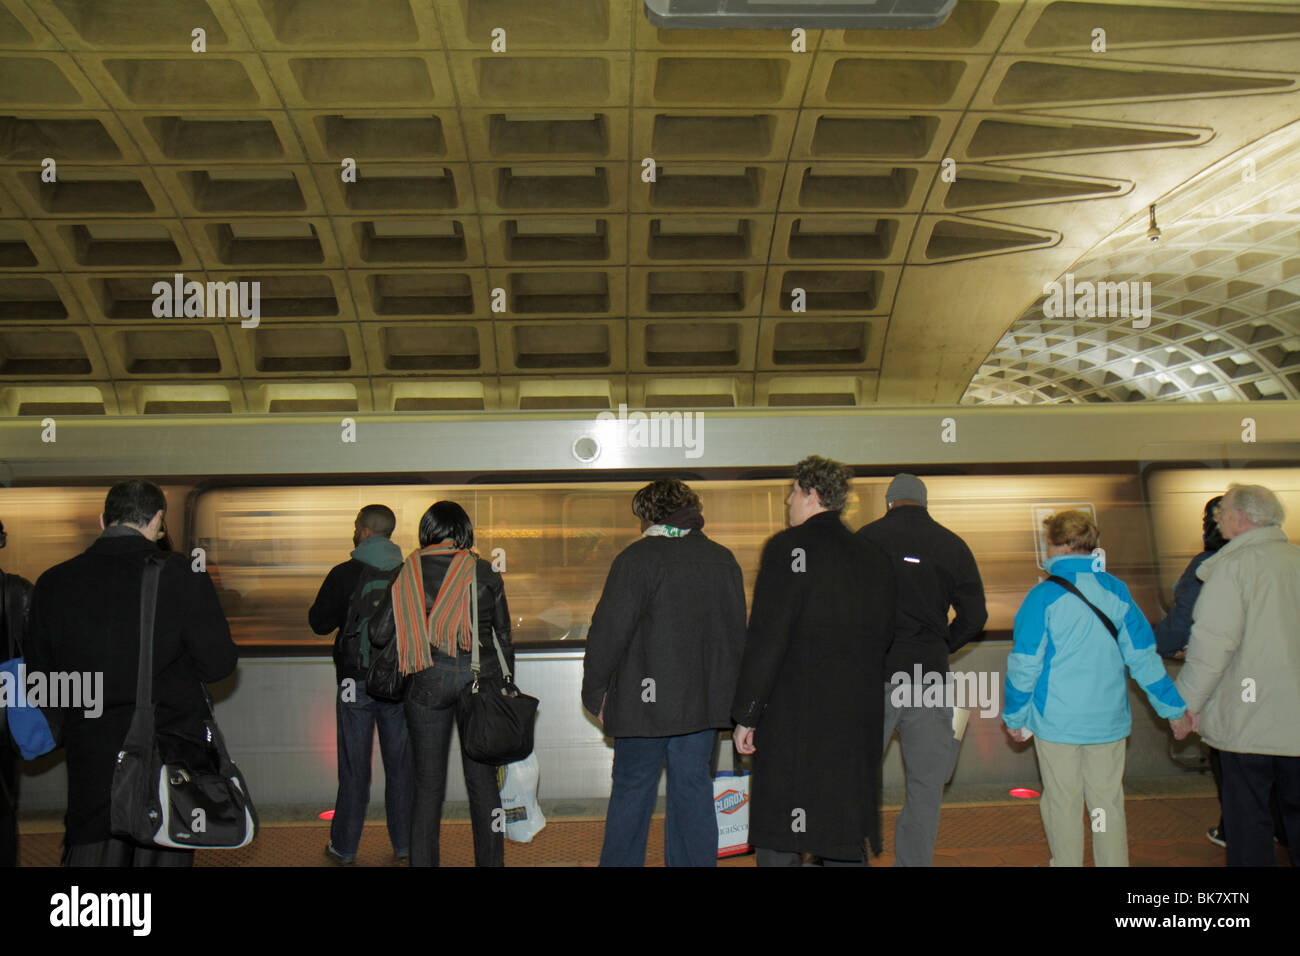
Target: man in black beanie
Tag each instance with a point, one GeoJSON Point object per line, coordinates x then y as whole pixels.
{"type": "Point", "coordinates": [934, 570]}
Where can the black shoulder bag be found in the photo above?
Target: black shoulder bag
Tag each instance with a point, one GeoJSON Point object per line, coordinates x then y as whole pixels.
{"type": "Point", "coordinates": [496, 717]}
{"type": "Point", "coordinates": [1110, 625]}
{"type": "Point", "coordinates": [188, 794]}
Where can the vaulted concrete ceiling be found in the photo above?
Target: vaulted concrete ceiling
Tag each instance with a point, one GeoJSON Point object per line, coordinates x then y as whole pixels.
{"type": "Point", "coordinates": [1223, 283]}
{"type": "Point", "coordinates": [776, 170]}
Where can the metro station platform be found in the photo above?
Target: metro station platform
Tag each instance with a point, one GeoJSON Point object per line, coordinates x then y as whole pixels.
{"type": "Point", "coordinates": [1167, 820]}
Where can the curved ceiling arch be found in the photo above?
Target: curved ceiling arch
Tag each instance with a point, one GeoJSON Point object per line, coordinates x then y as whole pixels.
{"type": "Point", "coordinates": [1224, 288]}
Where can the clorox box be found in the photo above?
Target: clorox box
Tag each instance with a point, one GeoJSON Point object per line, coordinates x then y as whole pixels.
{"type": "Point", "coordinates": [731, 807]}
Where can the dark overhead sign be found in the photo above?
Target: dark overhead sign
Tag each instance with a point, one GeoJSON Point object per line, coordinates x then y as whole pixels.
{"type": "Point", "coordinates": [809, 14]}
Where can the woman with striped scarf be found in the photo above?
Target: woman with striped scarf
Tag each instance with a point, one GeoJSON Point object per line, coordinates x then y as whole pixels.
{"type": "Point", "coordinates": [429, 614]}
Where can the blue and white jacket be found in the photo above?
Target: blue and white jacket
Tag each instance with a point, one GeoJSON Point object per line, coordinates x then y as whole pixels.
{"type": "Point", "coordinates": [1065, 674]}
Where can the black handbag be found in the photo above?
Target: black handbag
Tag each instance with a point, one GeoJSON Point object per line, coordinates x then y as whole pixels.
{"type": "Point", "coordinates": [170, 790]}
{"type": "Point", "coordinates": [495, 717]}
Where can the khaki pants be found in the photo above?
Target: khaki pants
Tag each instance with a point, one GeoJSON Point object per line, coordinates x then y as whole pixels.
{"type": "Point", "coordinates": [1073, 774]}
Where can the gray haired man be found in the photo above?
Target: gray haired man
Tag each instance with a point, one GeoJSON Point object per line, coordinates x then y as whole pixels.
{"type": "Point", "coordinates": [1241, 678]}
{"type": "Point", "coordinates": [934, 570]}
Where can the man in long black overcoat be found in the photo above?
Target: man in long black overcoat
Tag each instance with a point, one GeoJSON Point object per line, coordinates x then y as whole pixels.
{"type": "Point", "coordinates": [86, 620]}
{"type": "Point", "coordinates": [806, 705]}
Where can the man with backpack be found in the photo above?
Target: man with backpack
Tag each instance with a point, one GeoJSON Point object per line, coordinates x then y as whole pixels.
{"type": "Point", "coordinates": [346, 600]}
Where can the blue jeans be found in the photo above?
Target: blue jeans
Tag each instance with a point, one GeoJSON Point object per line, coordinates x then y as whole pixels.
{"type": "Point", "coordinates": [691, 829]}
{"type": "Point", "coordinates": [356, 734]}
{"type": "Point", "coordinates": [430, 712]}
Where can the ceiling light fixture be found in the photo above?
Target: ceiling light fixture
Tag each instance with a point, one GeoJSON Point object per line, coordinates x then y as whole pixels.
{"type": "Point", "coordinates": [811, 14]}
{"type": "Point", "coordinates": [1153, 231]}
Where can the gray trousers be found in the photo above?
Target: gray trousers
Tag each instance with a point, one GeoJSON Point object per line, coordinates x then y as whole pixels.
{"type": "Point", "coordinates": [929, 754]}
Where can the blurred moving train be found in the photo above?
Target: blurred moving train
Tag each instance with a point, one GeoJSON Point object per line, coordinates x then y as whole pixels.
{"type": "Point", "coordinates": [267, 503]}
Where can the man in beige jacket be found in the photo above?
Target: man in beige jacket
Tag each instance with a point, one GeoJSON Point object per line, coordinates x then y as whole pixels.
{"type": "Point", "coordinates": [1242, 673]}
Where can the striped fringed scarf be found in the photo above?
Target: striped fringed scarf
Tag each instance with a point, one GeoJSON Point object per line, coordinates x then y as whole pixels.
{"type": "Point", "coordinates": [450, 617]}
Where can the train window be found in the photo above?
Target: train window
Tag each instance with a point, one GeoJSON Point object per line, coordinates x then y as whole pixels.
{"type": "Point", "coordinates": [45, 526]}
{"type": "Point", "coordinates": [1178, 497]}
{"type": "Point", "coordinates": [270, 548]}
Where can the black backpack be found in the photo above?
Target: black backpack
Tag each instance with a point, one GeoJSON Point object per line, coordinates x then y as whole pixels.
{"type": "Point", "coordinates": [354, 638]}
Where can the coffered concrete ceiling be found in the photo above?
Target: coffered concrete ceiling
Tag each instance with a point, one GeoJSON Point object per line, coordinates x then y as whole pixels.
{"type": "Point", "coordinates": [1223, 282]}
{"type": "Point", "coordinates": [524, 170]}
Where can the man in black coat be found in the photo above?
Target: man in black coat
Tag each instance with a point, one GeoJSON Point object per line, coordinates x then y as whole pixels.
{"type": "Point", "coordinates": [935, 570]}
{"type": "Point", "coordinates": [86, 619]}
{"type": "Point", "coordinates": [806, 705]}
{"type": "Point", "coordinates": [659, 671]}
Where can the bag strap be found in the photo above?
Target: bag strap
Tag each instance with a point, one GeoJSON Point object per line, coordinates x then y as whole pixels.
{"type": "Point", "coordinates": [473, 617]}
{"type": "Point", "coordinates": [213, 732]}
{"type": "Point", "coordinates": [142, 720]}
{"type": "Point", "coordinates": [4, 618]}
{"type": "Point", "coordinates": [473, 624]}
{"type": "Point", "coordinates": [14, 619]}
{"type": "Point", "coordinates": [15, 613]}
{"type": "Point", "coordinates": [1110, 625]}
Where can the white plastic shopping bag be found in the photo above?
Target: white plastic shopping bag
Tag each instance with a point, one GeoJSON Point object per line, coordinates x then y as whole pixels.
{"type": "Point", "coordinates": [731, 807]}
{"type": "Point", "coordinates": [518, 785]}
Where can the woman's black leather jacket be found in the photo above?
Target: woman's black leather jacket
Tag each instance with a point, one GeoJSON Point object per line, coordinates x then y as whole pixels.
{"type": "Point", "coordinates": [493, 612]}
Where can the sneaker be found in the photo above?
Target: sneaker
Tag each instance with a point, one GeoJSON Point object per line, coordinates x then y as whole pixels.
{"type": "Point", "coordinates": [334, 856]}
{"type": "Point", "coordinates": [1215, 836]}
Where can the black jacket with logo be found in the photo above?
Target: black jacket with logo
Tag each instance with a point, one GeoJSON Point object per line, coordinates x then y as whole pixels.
{"type": "Point", "coordinates": [934, 569]}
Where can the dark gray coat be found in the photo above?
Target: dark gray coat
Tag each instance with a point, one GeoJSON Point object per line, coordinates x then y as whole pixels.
{"type": "Point", "coordinates": [810, 683]}
{"type": "Point", "coordinates": [672, 612]}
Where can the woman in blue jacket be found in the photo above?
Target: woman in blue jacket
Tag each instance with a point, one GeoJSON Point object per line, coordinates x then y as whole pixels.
{"type": "Point", "coordinates": [1066, 686]}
